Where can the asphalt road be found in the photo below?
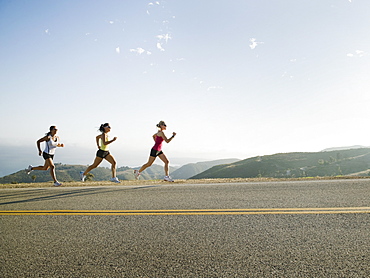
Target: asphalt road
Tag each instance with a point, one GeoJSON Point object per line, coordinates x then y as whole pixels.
{"type": "Point", "coordinates": [269, 229]}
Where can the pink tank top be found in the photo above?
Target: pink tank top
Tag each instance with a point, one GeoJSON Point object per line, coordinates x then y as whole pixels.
{"type": "Point", "coordinates": [158, 143]}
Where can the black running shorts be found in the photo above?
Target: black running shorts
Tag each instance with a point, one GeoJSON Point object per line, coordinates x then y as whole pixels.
{"type": "Point", "coordinates": [47, 156]}
{"type": "Point", "coordinates": [102, 154]}
{"type": "Point", "coordinates": [155, 153]}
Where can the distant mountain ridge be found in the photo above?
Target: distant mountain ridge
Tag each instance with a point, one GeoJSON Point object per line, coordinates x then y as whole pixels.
{"type": "Point", "coordinates": [332, 163]}
{"type": "Point", "coordinates": [193, 169]}
{"type": "Point", "coordinates": [344, 148]}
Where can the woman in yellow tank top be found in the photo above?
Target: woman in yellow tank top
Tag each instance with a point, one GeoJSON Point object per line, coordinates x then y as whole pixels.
{"type": "Point", "coordinates": [103, 153]}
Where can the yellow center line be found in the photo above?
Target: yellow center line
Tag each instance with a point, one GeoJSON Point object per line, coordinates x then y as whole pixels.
{"type": "Point", "coordinates": [337, 210]}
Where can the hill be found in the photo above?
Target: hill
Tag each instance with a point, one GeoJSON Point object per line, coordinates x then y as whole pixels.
{"type": "Point", "coordinates": [192, 169]}
{"type": "Point", "coordinates": [333, 163]}
{"type": "Point", "coordinates": [68, 173]}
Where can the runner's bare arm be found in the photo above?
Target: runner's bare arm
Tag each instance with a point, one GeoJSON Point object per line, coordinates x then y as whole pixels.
{"type": "Point", "coordinates": [43, 139]}
{"type": "Point", "coordinates": [61, 145]}
{"type": "Point", "coordinates": [104, 138]}
{"type": "Point", "coordinates": [167, 140]}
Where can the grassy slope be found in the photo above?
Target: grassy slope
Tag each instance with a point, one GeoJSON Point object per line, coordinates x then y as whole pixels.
{"type": "Point", "coordinates": [332, 163]}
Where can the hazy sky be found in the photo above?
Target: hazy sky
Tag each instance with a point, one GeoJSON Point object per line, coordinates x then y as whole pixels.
{"type": "Point", "coordinates": [234, 79]}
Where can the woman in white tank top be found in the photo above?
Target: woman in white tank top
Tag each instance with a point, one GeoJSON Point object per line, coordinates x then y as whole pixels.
{"type": "Point", "coordinates": [51, 143]}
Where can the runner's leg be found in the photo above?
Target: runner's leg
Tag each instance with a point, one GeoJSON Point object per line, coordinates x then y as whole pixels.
{"type": "Point", "coordinates": [148, 164]}
{"type": "Point", "coordinates": [96, 163]}
{"type": "Point", "coordinates": [113, 162]}
{"type": "Point", "coordinates": [166, 163]}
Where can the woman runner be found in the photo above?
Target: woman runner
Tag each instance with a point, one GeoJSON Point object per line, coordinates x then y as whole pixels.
{"type": "Point", "coordinates": [103, 153]}
{"type": "Point", "coordinates": [159, 137]}
{"type": "Point", "coordinates": [52, 142]}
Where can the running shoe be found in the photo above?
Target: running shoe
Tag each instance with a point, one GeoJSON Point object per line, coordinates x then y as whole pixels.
{"type": "Point", "coordinates": [29, 170]}
{"type": "Point", "coordinates": [136, 174]}
{"type": "Point", "coordinates": [82, 176]}
{"type": "Point", "coordinates": [168, 178]}
{"type": "Point", "coordinates": [57, 183]}
{"type": "Point", "coordinates": [115, 180]}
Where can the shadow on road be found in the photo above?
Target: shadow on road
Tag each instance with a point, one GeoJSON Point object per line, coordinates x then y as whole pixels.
{"type": "Point", "coordinates": [50, 195]}
{"type": "Point", "coordinates": [39, 194]}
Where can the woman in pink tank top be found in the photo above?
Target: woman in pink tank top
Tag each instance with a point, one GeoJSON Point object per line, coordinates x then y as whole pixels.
{"type": "Point", "coordinates": [158, 138]}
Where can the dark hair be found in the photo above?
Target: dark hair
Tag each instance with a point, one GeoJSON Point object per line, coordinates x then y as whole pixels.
{"type": "Point", "coordinates": [50, 130]}
{"type": "Point", "coordinates": [102, 126]}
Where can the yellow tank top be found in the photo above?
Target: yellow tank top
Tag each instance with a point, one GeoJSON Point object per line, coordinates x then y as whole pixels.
{"type": "Point", "coordinates": [102, 146]}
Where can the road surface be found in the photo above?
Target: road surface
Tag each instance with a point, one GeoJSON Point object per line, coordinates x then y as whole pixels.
{"type": "Point", "coordinates": [267, 229]}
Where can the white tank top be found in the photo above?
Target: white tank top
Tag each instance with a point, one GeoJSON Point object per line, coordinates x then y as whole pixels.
{"type": "Point", "coordinates": [51, 145]}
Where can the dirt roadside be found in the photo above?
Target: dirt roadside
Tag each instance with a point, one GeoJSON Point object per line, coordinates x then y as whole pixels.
{"type": "Point", "coordinates": [154, 182]}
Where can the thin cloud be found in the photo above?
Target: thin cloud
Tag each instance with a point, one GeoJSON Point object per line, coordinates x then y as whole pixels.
{"type": "Point", "coordinates": [286, 75]}
{"type": "Point", "coordinates": [118, 50]}
{"type": "Point", "coordinates": [254, 43]}
{"type": "Point", "coordinates": [151, 4]}
{"type": "Point", "coordinates": [214, 88]}
{"type": "Point", "coordinates": [159, 46]}
{"type": "Point", "coordinates": [165, 37]}
{"type": "Point", "coordinates": [358, 53]}
{"type": "Point", "coordinates": [140, 51]}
